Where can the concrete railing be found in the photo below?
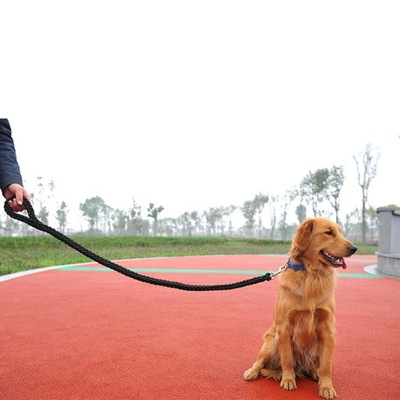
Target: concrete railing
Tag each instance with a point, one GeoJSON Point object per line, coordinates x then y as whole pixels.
{"type": "Point", "coordinates": [389, 241]}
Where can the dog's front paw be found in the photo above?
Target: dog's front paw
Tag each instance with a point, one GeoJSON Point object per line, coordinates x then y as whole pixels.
{"type": "Point", "coordinates": [288, 384]}
{"type": "Point", "coordinates": [251, 374]}
{"type": "Point", "coordinates": [327, 392]}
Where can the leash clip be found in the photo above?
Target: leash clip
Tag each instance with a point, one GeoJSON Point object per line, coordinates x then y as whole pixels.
{"type": "Point", "coordinates": [282, 268]}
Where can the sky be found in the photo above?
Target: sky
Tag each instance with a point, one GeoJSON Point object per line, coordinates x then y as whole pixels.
{"type": "Point", "coordinates": [199, 104]}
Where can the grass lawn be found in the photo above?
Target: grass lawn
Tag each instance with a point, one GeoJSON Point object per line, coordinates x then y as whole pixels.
{"type": "Point", "coordinates": [23, 253]}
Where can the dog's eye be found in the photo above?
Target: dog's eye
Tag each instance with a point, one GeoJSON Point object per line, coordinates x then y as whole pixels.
{"type": "Point", "coordinates": [330, 233]}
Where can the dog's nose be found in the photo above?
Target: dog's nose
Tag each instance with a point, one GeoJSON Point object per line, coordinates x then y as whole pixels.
{"type": "Point", "coordinates": [352, 249]}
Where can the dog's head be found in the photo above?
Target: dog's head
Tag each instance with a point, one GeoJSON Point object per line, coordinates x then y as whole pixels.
{"type": "Point", "coordinates": [320, 239]}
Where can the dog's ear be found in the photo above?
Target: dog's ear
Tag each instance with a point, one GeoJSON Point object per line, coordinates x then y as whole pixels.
{"type": "Point", "coordinates": [302, 238]}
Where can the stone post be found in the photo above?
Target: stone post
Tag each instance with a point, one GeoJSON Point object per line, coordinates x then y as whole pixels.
{"type": "Point", "coordinates": [389, 241]}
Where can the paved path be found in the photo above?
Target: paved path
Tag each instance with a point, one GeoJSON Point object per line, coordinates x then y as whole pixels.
{"type": "Point", "coordinates": [87, 333]}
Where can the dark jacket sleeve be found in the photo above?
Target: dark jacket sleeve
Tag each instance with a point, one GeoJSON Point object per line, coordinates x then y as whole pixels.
{"type": "Point", "coordinates": [9, 167]}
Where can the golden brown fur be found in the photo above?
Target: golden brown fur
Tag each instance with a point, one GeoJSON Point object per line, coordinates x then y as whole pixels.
{"type": "Point", "coordinates": [301, 339]}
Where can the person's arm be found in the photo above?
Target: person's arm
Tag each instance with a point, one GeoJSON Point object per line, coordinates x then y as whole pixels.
{"type": "Point", "coordinates": [11, 183]}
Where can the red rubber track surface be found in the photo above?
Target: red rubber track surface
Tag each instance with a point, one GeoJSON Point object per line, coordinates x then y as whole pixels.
{"type": "Point", "coordinates": [90, 333]}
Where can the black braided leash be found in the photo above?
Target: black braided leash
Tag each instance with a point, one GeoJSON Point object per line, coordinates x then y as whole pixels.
{"type": "Point", "coordinates": [35, 223]}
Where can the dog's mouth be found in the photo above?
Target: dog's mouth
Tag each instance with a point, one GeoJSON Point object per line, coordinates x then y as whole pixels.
{"type": "Point", "coordinates": [335, 262]}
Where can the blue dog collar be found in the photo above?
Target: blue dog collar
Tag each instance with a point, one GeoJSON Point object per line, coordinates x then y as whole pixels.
{"type": "Point", "coordinates": [296, 267]}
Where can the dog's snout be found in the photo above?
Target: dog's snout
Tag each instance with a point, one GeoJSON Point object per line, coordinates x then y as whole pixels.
{"type": "Point", "coordinates": [352, 249]}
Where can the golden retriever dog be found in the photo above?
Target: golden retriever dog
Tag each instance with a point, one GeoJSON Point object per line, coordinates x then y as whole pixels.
{"type": "Point", "coordinates": [301, 340]}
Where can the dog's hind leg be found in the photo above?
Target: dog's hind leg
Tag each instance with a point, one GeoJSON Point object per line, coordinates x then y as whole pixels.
{"type": "Point", "coordinates": [275, 374]}
{"type": "Point", "coordinates": [265, 357]}
{"type": "Point", "coordinates": [311, 374]}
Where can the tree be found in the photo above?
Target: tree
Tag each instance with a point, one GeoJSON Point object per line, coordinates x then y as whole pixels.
{"type": "Point", "coordinates": [334, 186]}
{"type": "Point", "coordinates": [313, 188]}
{"type": "Point", "coordinates": [43, 215]}
{"type": "Point", "coordinates": [352, 224]}
{"type": "Point", "coordinates": [92, 209]}
{"type": "Point", "coordinates": [186, 224]}
{"type": "Point", "coordinates": [135, 224]}
{"type": "Point", "coordinates": [196, 219]}
{"type": "Point", "coordinates": [373, 222]}
{"type": "Point", "coordinates": [42, 197]}
{"type": "Point", "coordinates": [367, 165]}
{"type": "Point", "coordinates": [274, 200]}
{"type": "Point", "coordinates": [286, 200]}
{"type": "Point", "coordinates": [249, 210]}
{"type": "Point", "coordinates": [230, 210]}
{"type": "Point", "coordinates": [213, 216]}
{"type": "Point", "coordinates": [153, 212]}
{"type": "Point", "coordinates": [135, 210]}
{"type": "Point", "coordinates": [61, 216]}
{"type": "Point", "coordinates": [301, 213]}
{"type": "Point", "coordinates": [260, 200]}
{"type": "Point", "coordinates": [119, 221]}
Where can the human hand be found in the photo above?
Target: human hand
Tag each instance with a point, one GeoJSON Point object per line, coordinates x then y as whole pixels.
{"type": "Point", "coordinates": [19, 192]}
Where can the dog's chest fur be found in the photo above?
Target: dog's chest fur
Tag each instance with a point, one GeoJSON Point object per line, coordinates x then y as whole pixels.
{"type": "Point", "coordinates": [312, 289]}
{"type": "Point", "coordinates": [312, 292]}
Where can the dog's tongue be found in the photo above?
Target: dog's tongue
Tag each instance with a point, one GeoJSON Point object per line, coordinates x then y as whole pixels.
{"type": "Point", "coordinates": [344, 266]}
